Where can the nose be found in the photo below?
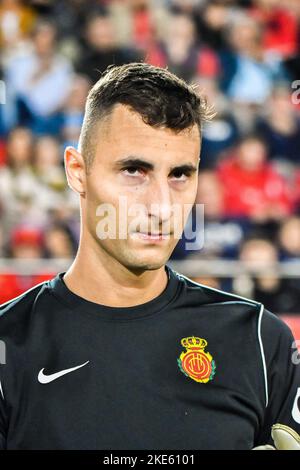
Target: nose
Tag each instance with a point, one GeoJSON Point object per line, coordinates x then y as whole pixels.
{"type": "Point", "coordinates": [159, 202]}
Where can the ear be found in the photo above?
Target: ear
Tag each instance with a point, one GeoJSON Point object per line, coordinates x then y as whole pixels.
{"type": "Point", "coordinates": [75, 170]}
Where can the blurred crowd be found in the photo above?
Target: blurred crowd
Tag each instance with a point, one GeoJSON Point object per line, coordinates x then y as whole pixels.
{"type": "Point", "coordinates": [244, 57]}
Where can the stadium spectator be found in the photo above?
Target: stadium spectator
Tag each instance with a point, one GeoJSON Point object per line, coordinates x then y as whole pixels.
{"type": "Point", "coordinates": [223, 234]}
{"type": "Point", "coordinates": [142, 23]}
{"type": "Point", "coordinates": [69, 15]}
{"type": "Point", "coordinates": [18, 188]}
{"type": "Point", "coordinates": [53, 191]}
{"type": "Point", "coordinates": [280, 295]}
{"type": "Point", "coordinates": [289, 238]}
{"type": "Point", "coordinates": [247, 76]}
{"type": "Point", "coordinates": [16, 23]}
{"type": "Point", "coordinates": [26, 242]}
{"type": "Point", "coordinates": [59, 242]}
{"type": "Point", "coordinates": [40, 82]}
{"type": "Point", "coordinates": [279, 26]}
{"type": "Point", "coordinates": [100, 48]}
{"type": "Point", "coordinates": [282, 134]}
{"type": "Point", "coordinates": [252, 186]}
{"type": "Point", "coordinates": [47, 164]}
{"type": "Point", "coordinates": [179, 50]}
{"type": "Point", "coordinates": [211, 20]}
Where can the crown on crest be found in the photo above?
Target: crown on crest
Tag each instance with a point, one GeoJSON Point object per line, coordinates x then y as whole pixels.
{"type": "Point", "coordinates": [193, 342]}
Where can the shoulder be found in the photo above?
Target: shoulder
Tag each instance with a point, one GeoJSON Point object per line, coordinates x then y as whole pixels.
{"type": "Point", "coordinates": [210, 295]}
{"type": "Point", "coordinates": [270, 328]}
{"type": "Point", "coordinates": [15, 314]}
{"type": "Point", "coordinates": [273, 324]}
{"type": "Point", "coordinates": [276, 335]}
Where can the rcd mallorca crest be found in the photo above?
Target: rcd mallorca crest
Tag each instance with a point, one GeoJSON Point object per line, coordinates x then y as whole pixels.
{"type": "Point", "coordinates": [195, 362]}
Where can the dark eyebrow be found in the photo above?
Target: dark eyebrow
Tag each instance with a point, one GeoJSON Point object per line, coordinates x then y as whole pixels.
{"type": "Point", "coordinates": [186, 168]}
{"type": "Point", "coordinates": [139, 162]}
{"type": "Point", "coordinates": [133, 161]}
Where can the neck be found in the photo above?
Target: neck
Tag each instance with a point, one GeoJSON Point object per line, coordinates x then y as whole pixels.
{"type": "Point", "coordinates": [99, 278]}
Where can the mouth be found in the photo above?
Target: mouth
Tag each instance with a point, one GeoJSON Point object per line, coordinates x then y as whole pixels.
{"type": "Point", "coordinates": [151, 236]}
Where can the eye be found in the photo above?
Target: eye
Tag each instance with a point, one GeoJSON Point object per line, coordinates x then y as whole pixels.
{"type": "Point", "coordinates": [181, 175]}
{"type": "Point", "coordinates": [132, 171]}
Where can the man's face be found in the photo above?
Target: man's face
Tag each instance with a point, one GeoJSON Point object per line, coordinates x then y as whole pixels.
{"type": "Point", "coordinates": [140, 165]}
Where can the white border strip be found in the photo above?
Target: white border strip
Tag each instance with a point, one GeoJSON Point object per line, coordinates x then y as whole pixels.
{"type": "Point", "coordinates": [1, 390]}
{"type": "Point", "coordinates": [262, 353]}
{"type": "Point", "coordinates": [218, 290]}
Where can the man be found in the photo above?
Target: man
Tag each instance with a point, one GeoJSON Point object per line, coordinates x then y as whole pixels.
{"type": "Point", "coordinates": [121, 351]}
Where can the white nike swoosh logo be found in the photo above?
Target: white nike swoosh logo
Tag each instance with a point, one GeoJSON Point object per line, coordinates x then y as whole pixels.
{"type": "Point", "coordinates": [295, 410]}
{"type": "Point", "coordinates": [45, 379]}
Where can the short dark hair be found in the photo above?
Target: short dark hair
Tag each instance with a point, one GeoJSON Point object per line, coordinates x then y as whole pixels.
{"type": "Point", "coordinates": [160, 97]}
